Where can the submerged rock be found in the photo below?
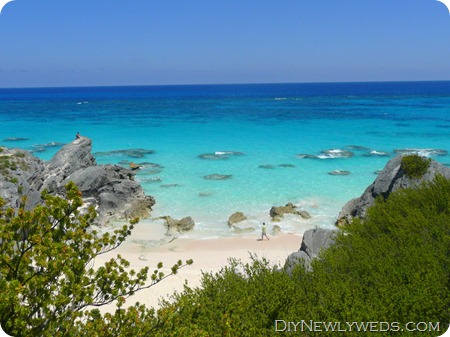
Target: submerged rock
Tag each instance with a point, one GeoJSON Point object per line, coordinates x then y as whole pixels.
{"type": "Point", "coordinates": [15, 139]}
{"type": "Point", "coordinates": [133, 153]}
{"type": "Point", "coordinates": [267, 166]}
{"type": "Point", "coordinates": [335, 153]}
{"type": "Point", "coordinates": [276, 229]}
{"type": "Point", "coordinates": [220, 155]}
{"type": "Point", "coordinates": [339, 173]}
{"type": "Point", "coordinates": [218, 176]}
{"type": "Point", "coordinates": [327, 154]}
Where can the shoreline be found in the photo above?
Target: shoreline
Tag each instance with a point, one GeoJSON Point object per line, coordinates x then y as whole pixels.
{"type": "Point", "coordinates": [209, 255]}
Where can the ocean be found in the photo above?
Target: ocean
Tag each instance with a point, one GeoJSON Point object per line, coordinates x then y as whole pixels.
{"type": "Point", "coordinates": [208, 151]}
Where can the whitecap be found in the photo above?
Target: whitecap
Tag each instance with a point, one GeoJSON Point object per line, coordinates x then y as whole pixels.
{"type": "Point", "coordinates": [377, 153]}
{"type": "Point", "coordinates": [335, 153]}
{"type": "Point", "coordinates": [422, 152]}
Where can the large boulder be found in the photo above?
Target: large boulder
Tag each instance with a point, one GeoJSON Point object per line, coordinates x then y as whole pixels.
{"type": "Point", "coordinates": [313, 242]}
{"type": "Point", "coordinates": [391, 178]}
{"type": "Point", "coordinates": [236, 218]}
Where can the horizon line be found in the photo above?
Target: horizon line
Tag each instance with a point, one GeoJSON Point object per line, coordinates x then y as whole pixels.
{"type": "Point", "coordinates": [216, 84]}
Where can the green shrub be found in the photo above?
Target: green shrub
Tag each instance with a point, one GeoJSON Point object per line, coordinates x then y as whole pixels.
{"type": "Point", "coordinates": [393, 266]}
{"type": "Point", "coordinates": [415, 166]}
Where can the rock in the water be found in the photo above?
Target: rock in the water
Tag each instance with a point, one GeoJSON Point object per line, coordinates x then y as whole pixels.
{"type": "Point", "coordinates": [276, 229]}
{"type": "Point", "coordinates": [181, 225]}
{"type": "Point", "coordinates": [277, 212]}
{"type": "Point", "coordinates": [218, 176]}
{"type": "Point", "coordinates": [339, 173]}
{"type": "Point", "coordinates": [313, 242]}
{"type": "Point", "coordinates": [236, 218]}
{"type": "Point", "coordinates": [220, 155]}
{"type": "Point", "coordinates": [390, 179]}
{"type": "Point", "coordinates": [335, 153]}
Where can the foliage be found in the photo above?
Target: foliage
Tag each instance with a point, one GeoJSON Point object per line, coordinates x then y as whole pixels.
{"type": "Point", "coordinates": [48, 283]}
{"type": "Point", "coordinates": [415, 166]}
{"type": "Point", "coordinates": [393, 266]}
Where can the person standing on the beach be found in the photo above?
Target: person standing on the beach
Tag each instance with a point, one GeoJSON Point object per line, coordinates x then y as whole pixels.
{"type": "Point", "coordinates": [264, 232]}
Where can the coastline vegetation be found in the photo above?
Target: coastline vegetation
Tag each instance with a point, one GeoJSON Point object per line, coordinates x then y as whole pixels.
{"type": "Point", "coordinates": [415, 166]}
{"type": "Point", "coordinates": [393, 266]}
{"type": "Point", "coordinates": [48, 283]}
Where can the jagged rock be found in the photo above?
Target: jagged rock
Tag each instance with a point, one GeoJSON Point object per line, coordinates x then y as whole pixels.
{"type": "Point", "coordinates": [72, 157]}
{"type": "Point", "coordinates": [110, 188]}
{"type": "Point", "coordinates": [390, 179]}
{"type": "Point", "coordinates": [181, 225]}
{"type": "Point", "coordinates": [277, 212]}
{"type": "Point", "coordinates": [313, 242]}
{"type": "Point", "coordinates": [236, 218]}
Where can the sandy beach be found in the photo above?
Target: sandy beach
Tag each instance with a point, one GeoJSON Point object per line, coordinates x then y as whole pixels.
{"type": "Point", "coordinates": [209, 255]}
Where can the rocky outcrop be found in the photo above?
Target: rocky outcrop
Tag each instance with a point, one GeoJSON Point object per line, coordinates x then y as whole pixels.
{"type": "Point", "coordinates": [390, 179]}
{"type": "Point", "coordinates": [236, 218]}
{"type": "Point", "coordinates": [314, 241]}
{"type": "Point", "coordinates": [277, 212]}
{"type": "Point", "coordinates": [182, 225]}
{"type": "Point", "coordinates": [110, 188]}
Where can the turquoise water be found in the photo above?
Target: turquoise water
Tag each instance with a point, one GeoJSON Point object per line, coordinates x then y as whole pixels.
{"type": "Point", "coordinates": [270, 127]}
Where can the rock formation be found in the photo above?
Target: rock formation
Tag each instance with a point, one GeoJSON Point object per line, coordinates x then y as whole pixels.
{"type": "Point", "coordinates": [110, 188]}
{"type": "Point", "coordinates": [390, 179]}
{"type": "Point", "coordinates": [277, 212]}
{"type": "Point", "coordinates": [313, 242]}
{"type": "Point", "coordinates": [236, 218]}
{"type": "Point", "coordinates": [178, 225]}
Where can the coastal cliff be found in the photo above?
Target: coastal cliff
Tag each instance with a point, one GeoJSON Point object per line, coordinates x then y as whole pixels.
{"type": "Point", "coordinates": [111, 189]}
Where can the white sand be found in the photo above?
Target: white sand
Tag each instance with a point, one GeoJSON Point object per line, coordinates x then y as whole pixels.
{"type": "Point", "coordinates": [208, 255]}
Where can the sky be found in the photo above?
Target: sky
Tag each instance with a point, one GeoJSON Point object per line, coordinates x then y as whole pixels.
{"type": "Point", "coordinates": [48, 43]}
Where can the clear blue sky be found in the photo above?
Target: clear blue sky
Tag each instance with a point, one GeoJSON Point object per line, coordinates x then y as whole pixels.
{"type": "Point", "coordinates": [118, 42]}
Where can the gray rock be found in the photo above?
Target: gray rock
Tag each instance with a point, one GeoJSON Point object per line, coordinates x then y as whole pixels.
{"type": "Point", "coordinates": [390, 179]}
{"type": "Point", "coordinates": [313, 242]}
{"type": "Point", "coordinates": [110, 188]}
{"type": "Point", "coordinates": [71, 157]}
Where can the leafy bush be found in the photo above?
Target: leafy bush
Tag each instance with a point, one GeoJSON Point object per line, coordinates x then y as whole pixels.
{"type": "Point", "coordinates": [393, 266]}
{"type": "Point", "coordinates": [415, 166]}
{"type": "Point", "coordinates": [48, 286]}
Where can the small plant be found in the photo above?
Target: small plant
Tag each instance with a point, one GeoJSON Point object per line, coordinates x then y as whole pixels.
{"type": "Point", "coordinates": [415, 166]}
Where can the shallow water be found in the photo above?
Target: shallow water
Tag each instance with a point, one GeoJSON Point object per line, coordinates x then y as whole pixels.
{"type": "Point", "coordinates": [268, 129]}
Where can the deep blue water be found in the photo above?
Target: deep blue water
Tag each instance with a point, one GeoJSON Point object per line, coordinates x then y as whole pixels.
{"type": "Point", "coordinates": [272, 125]}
